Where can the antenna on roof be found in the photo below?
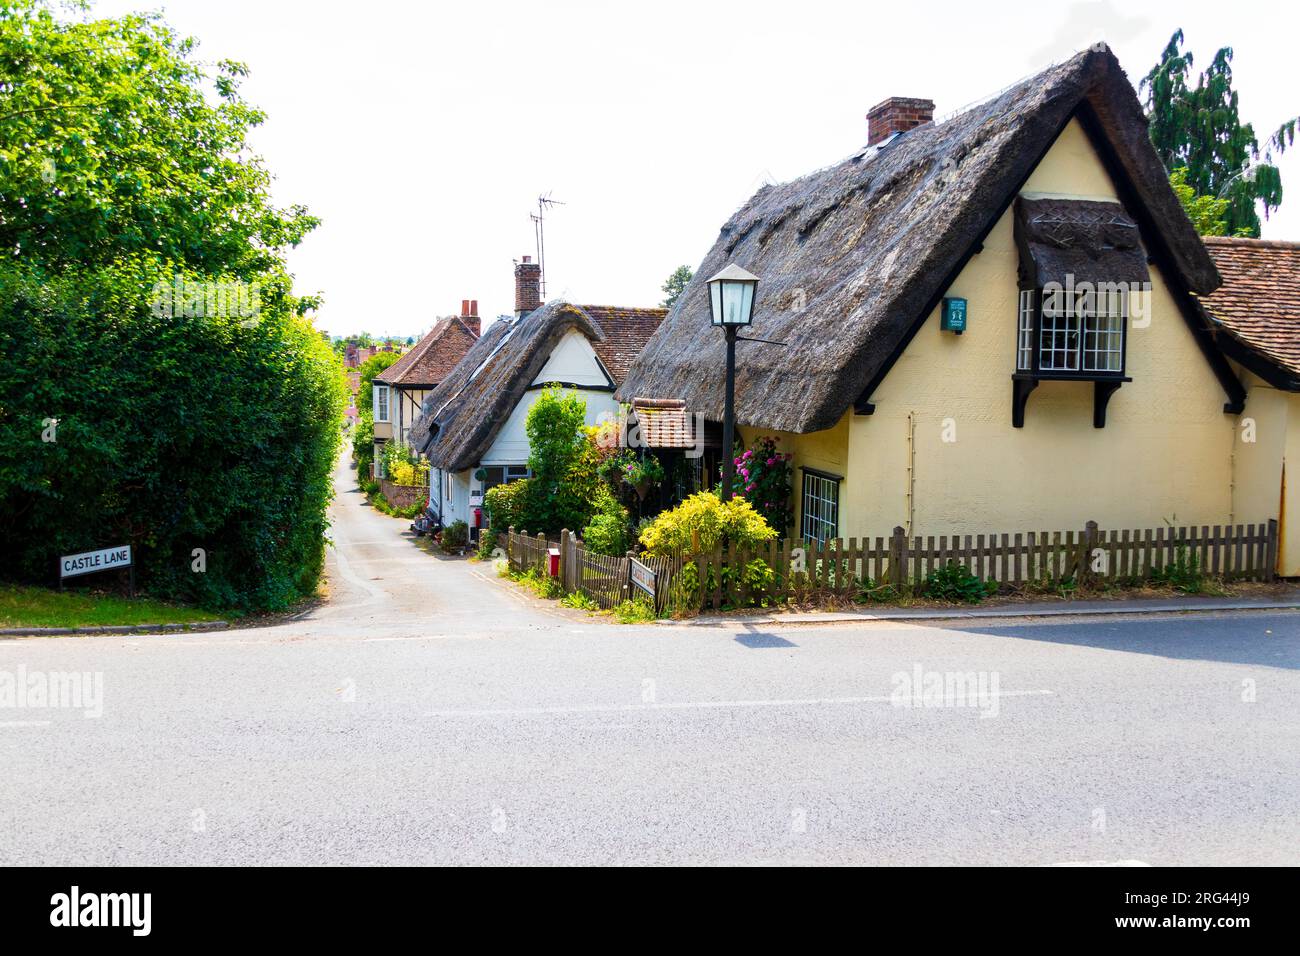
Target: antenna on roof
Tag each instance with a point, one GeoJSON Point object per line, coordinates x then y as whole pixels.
{"type": "Point", "coordinates": [539, 229]}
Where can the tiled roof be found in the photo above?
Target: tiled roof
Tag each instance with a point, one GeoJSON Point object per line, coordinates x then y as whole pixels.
{"type": "Point", "coordinates": [432, 357]}
{"type": "Point", "coordinates": [1259, 301]}
{"type": "Point", "coordinates": [626, 332]}
{"type": "Point", "coordinates": [663, 423]}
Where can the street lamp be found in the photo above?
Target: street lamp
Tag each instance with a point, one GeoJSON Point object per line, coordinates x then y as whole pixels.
{"type": "Point", "coordinates": [731, 305]}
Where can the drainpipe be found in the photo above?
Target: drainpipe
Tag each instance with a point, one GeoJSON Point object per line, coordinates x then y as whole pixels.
{"type": "Point", "coordinates": [911, 470]}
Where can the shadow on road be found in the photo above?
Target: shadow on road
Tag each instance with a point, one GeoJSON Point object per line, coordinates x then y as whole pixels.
{"type": "Point", "coordinates": [1269, 640]}
{"type": "Point", "coordinates": [756, 639]}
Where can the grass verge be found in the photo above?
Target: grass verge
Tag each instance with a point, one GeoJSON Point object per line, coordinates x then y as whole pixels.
{"type": "Point", "coordinates": [22, 606]}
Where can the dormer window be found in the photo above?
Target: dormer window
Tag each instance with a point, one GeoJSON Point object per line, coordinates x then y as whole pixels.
{"type": "Point", "coordinates": [1080, 261]}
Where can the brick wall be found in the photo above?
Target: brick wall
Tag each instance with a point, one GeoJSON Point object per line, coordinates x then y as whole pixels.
{"type": "Point", "coordinates": [403, 496]}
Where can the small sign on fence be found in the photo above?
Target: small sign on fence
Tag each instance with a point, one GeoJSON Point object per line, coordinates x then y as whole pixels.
{"type": "Point", "coordinates": [642, 577]}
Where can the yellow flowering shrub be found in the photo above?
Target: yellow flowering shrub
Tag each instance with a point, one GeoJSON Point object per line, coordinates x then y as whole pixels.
{"type": "Point", "coordinates": [733, 523]}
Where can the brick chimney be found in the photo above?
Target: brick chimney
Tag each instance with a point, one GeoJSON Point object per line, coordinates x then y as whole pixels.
{"type": "Point", "coordinates": [469, 315]}
{"type": "Point", "coordinates": [528, 286]}
{"type": "Point", "coordinates": [897, 114]}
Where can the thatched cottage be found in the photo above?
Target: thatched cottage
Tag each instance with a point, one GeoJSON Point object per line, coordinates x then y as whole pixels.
{"type": "Point", "coordinates": [991, 323]}
{"type": "Point", "coordinates": [399, 390]}
{"type": "Point", "coordinates": [472, 425]}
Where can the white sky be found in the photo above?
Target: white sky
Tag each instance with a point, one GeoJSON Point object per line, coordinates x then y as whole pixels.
{"type": "Point", "coordinates": [423, 133]}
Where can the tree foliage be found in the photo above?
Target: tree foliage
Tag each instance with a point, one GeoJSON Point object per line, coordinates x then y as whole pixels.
{"type": "Point", "coordinates": [1208, 214]}
{"type": "Point", "coordinates": [1197, 127]}
{"type": "Point", "coordinates": [676, 284]}
{"type": "Point", "coordinates": [204, 438]}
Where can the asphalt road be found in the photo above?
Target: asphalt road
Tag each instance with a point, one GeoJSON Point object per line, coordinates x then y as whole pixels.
{"type": "Point", "coordinates": [431, 713]}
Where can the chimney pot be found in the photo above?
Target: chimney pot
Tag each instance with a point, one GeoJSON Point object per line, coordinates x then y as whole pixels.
{"type": "Point", "coordinates": [897, 114]}
{"type": "Point", "coordinates": [469, 315]}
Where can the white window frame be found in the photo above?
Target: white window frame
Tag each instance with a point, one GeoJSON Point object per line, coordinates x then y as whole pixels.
{"type": "Point", "coordinates": [1079, 334]}
{"type": "Point", "coordinates": [382, 404]}
{"type": "Point", "coordinates": [1025, 332]}
{"type": "Point", "coordinates": [819, 506]}
{"type": "Point", "coordinates": [1105, 319]}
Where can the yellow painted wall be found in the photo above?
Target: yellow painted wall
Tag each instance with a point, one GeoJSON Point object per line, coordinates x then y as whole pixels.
{"type": "Point", "coordinates": [1267, 441]}
{"type": "Point", "coordinates": [1166, 450]}
{"type": "Point", "coordinates": [1289, 546]}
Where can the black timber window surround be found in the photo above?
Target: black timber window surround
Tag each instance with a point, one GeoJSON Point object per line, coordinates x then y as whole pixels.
{"type": "Point", "coordinates": [1071, 335]}
{"type": "Point", "coordinates": [1080, 261]}
{"type": "Point", "coordinates": [820, 512]}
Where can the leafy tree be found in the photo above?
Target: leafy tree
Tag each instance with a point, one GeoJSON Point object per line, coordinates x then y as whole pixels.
{"type": "Point", "coordinates": [1208, 214]}
{"type": "Point", "coordinates": [203, 437]}
{"type": "Point", "coordinates": [369, 369]}
{"type": "Point", "coordinates": [363, 441]}
{"type": "Point", "coordinates": [559, 447]}
{"type": "Point", "coordinates": [1198, 128]}
{"type": "Point", "coordinates": [113, 142]}
{"type": "Point", "coordinates": [676, 285]}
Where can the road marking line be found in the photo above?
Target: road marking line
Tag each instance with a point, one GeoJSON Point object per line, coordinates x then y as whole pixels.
{"type": "Point", "coordinates": [704, 705]}
{"type": "Point", "coordinates": [25, 723]}
{"type": "Point", "coordinates": [427, 637]}
{"type": "Point", "coordinates": [1101, 863]}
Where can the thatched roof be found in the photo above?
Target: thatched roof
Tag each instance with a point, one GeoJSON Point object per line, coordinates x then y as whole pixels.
{"type": "Point", "coordinates": [432, 358]}
{"type": "Point", "coordinates": [854, 257]}
{"type": "Point", "coordinates": [1257, 309]}
{"type": "Point", "coordinates": [462, 416]}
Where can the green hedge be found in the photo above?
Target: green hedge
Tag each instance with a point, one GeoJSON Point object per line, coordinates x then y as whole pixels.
{"type": "Point", "coordinates": [173, 434]}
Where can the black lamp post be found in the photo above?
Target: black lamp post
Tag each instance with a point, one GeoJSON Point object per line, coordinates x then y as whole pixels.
{"type": "Point", "coordinates": [731, 304]}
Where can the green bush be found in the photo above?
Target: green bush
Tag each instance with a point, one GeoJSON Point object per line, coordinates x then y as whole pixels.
{"type": "Point", "coordinates": [455, 535]}
{"type": "Point", "coordinates": [173, 434]}
{"type": "Point", "coordinates": [488, 542]}
{"type": "Point", "coordinates": [507, 505]}
{"type": "Point", "coordinates": [954, 582]}
{"type": "Point", "coordinates": [608, 531]}
{"type": "Point", "coordinates": [734, 523]}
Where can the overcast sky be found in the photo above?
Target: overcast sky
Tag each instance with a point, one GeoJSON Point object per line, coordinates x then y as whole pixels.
{"type": "Point", "coordinates": [423, 133]}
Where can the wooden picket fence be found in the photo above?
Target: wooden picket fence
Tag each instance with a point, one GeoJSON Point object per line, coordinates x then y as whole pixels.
{"type": "Point", "coordinates": [804, 571]}
{"type": "Point", "coordinates": [524, 552]}
{"type": "Point", "coordinates": [603, 578]}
